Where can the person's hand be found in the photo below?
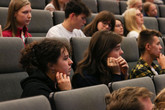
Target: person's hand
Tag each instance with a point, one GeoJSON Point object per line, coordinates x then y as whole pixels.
{"type": "Point", "coordinates": [123, 66]}
{"type": "Point", "coordinates": [63, 81]}
{"type": "Point", "coordinates": [1, 31]}
{"type": "Point", "coordinates": [113, 64]}
{"type": "Point", "coordinates": [161, 60]}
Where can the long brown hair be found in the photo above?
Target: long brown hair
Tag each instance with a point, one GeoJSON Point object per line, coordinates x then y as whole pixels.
{"type": "Point", "coordinates": [56, 4]}
{"type": "Point", "coordinates": [95, 59]}
{"type": "Point", "coordinates": [14, 6]}
{"type": "Point", "coordinates": [91, 28]}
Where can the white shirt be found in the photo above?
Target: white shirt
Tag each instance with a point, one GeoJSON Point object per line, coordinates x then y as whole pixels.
{"type": "Point", "coordinates": [60, 31]}
{"type": "Point", "coordinates": [154, 71]}
{"type": "Point", "coordinates": [133, 34]}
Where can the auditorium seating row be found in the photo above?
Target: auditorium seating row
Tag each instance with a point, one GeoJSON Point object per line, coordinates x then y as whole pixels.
{"type": "Point", "coordinates": [92, 98]}
{"type": "Point", "coordinates": [11, 72]}
{"type": "Point", "coordinates": [117, 7]}
{"type": "Point", "coordinates": [95, 5]}
{"type": "Point", "coordinates": [42, 21]}
{"type": "Point", "coordinates": [80, 44]}
{"type": "Point", "coordinates": [87, 98]}
{"type": "Point", "coordinates": [149, 22]}
{"type": "Point", "coordinates": [35, 4]}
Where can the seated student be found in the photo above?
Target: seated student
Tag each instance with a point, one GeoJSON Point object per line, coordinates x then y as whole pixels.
{"type": "Point", "coordinates": [119, 29]}
{"type": "Point", "coordinates": [75, 17]}
{"type": "Point", "coordinates": [102, 62]}
{"type": "Point", "coordinates": [56, 5]}
{"type": "Point", "coordinates": [19, 16]}
{"type": "Point", "coordinates": [160, 101]}
{"type": "Point", "coordinates": [104, 20]}
{"type": "Point", "coordinates": [48, 64]}
{"type": "Point", "coordinates": [129, 98]}
{"type": "Point", "coordinates": [1, 31]}
{"type": "Point", "coordinates": [137, 4]}
{"type": "Point", "coordinates": [150, 10]}
{"type": "Point", "coordinates": [134, 22]}
{"type": "Point", "coordinates": [150, 48]}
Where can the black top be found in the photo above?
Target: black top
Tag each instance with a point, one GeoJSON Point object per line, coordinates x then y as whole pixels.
{"type": "Point", "coordinates": [37, 83]}
{"type": "Point", "coordinates": [90, 80]}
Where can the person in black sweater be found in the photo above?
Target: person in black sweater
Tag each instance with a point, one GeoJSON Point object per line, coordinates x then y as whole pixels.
{"type": "Point", "coordinates": [48, 64]}
{"type": "Point", "coordinates": [102, 62]}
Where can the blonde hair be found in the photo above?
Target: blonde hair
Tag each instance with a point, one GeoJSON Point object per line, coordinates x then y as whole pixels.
{"type": "Point", "coordinates": [131, 3]}
{"type": "Point", "coordinates": [160, 101]}
{"type": "Point", "coordinates": [130, 22]}
{"type": "Point", "coordinates": [14, 6]}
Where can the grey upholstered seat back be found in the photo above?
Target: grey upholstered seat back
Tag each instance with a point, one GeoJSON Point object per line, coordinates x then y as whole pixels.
{"type": "Point", "coordinates": [137, 82]}
{"type": "Point", "coordinates": [40, 24]}
{"type": "Point", "coordinates": [31, 39]}
{"type": "Point", "coordinates": [31, 103]}
{"type": "Point", "coordinates": [10, 87]}
{"type": "Point", "coordinates": [47, 1]}
{"type": "Point", "coordinates": [131, 52]}
{"type": "Point", "coordinates": [151, 23]}
{"type": "Point", "coordinates": [159, 81]}
{"type": "Point", "coordinates": [109, 5]}
{"type": "Point", "coordinates": [37, 4]}
{"type": "Point", "coordinates": [3, 15]}
{"type": "Point", "coordinates": [58, 17]}
{"type": "Point", "coordinates": [79, 45]}
{"type": "Point", "coordinates": [4, 3]}
{"type": "Point", "coordinates": [161, 22]}
{"type": "Point", "coordinates": [11, 72]}
{"type": "Point", "coordinates": [123, 6]}
{"type": "Point", "coordinates": [162, 10]}
{"type": "Point", "coordinates": [91, 4]}
{"type": "Point", "coordinates": [10, 54]}
{"type": "Point", "coordinates": [87, 98]}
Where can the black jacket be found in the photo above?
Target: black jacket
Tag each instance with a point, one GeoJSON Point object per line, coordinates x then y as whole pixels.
{"type": "Point", "coordinates": [37, 83]}
{"type": "Point", "coordinates": [79, 81]}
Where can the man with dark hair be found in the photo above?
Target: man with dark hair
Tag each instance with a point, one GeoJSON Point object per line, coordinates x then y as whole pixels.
{"type": "Point", "coordinates": [75, 17]}
{"type": "Point", "coordinates": [150, 9]}
{"type": "Point", "coordinates": [150, 48]}
{"type": "Point", "coordinates": [129, 98]}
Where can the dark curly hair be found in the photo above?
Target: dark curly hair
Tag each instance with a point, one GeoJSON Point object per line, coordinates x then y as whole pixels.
{"type": "Point", "coordinates": [38, 54]}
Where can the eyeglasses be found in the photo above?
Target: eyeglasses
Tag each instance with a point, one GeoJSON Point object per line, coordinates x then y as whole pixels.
{"type": "Point", "coordinates": [118, 25]}
{"type": "Point", "coordinates": [139, 14]}
{"type": "Point", "coordinates": [106, 23]}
